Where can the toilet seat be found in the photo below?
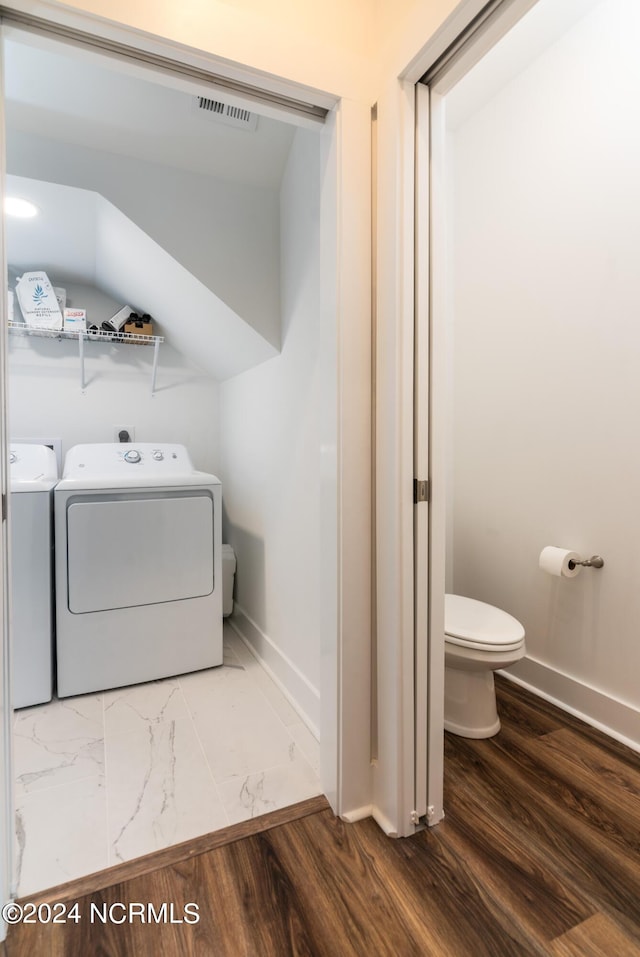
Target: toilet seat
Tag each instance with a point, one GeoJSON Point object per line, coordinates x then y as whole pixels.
{"type": "Point", "coordinates": [476, 625]}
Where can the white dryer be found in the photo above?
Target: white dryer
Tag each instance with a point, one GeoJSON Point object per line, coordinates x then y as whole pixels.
{"type": "Point", "coordinates": [138, 566]}
{"type": "Point", "coordinates": [34, 472]}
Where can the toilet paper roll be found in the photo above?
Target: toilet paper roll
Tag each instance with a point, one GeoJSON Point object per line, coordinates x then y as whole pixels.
{"type": "Point", "coordinates": [556, 561]}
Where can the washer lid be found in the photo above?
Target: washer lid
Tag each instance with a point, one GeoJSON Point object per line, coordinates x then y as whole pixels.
{"type": "Point", "coordinates": [33, 468]}
{"type": "Point", "coordinates": [478, 625]}
{"type": "Point", "coordinates": [130, 465]}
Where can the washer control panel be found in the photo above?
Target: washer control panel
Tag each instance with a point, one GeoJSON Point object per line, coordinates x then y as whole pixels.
{"type": "Point", "coordinates": [32, 463]}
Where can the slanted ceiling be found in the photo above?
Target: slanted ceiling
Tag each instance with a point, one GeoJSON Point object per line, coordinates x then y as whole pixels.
{"type": "Point", "coordinates": [104, 133]}
{"type": "Point", "coordinates": [80, 236]}
{"type": "Point", "coordinates": [69, 95]}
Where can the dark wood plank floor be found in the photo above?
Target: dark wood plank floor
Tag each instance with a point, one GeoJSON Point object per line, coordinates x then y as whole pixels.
{"type": "Point", "coordinates": [539, 854]}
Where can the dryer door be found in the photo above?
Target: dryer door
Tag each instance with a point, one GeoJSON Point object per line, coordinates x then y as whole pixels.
{"type": "Point", "coordinates": [128, 550]}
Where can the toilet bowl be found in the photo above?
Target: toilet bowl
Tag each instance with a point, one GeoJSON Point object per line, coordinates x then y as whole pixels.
{"type": "Point", "coordinates": [479, 639]}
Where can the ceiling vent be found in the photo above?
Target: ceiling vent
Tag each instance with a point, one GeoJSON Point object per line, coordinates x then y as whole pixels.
{"type": "Point", "coordinates": [227, 114]}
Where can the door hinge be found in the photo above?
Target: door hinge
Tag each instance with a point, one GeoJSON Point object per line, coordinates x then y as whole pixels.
{"type": "Point", "coordinates": [414, 817]}
{"type": "Point", "coordinates": [421, 491]}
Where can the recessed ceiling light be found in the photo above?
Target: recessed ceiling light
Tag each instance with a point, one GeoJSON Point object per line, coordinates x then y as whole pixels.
{"type": "Point", "coordinates": [19, 207]}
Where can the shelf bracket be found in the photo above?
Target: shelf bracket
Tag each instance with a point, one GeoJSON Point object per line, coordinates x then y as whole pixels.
{"type": "Point", "coordinates": [81, 355]}
{"type": "Point", "coordinates": [154, 372]}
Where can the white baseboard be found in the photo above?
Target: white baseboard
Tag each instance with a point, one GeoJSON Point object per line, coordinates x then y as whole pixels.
{"type": "Point", "coordinates": [383, 822]}
{"type": "Point", "coordinates": [303, 697]}
{"type": "Point", "coordinates": [358, 814]}
{"type": "Point", "coordinates": [617, 719]}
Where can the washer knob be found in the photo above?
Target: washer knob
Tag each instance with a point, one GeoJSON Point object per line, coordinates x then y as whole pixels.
{"type": "Point", "coordinates": [158, 455]}
{"type": "Point", "coordinates": [132, 456]}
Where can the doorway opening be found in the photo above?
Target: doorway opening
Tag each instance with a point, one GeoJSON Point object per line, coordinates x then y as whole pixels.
{"type": "Point", "coordinates": [141, 192]}
{"type": "Point", "coordinates": [534, 227]}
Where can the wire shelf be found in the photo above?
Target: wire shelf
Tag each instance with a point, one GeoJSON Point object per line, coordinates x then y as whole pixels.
{"type": "Point", "coordinates": [95, 335]}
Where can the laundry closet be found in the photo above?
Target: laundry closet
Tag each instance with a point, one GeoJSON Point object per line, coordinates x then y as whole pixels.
{"type": "Point", "coordinates": [203, 217]}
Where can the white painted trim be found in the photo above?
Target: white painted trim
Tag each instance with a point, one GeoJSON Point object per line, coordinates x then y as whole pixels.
{"type": "Point", "coordinates": [350, 671]}
{"type": "Point", "coordinates": [433, 216]}
{"type": "Point", "coordinates": [448, 31]}
{"type": "Point", "coordinates": [331, 726]}
{"type": "Point", "coordinates": [358, 814]}
{"type": "Point", "coordinates": [423, 701]}
{"type": "Point", "coordinates": [384, 823]}
{"type": "Point", "coordinates": [54, 12]}
{"type": "Point", "coordinates": [602, 711]}
{"type": "Point", "coordinates": [303, 697]}
{"type": "Point", "coordinates": [485, 37]}
{"type": "Point", "coordinates": [394, 771]}
{"type": "Point", "coordinates": [7, 812]}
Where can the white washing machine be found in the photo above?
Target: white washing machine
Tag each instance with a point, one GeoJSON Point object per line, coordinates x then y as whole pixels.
{"type": "Point", "coordinates": [138, 566]}
{"type": "Point", "coordinates": [34, 473]}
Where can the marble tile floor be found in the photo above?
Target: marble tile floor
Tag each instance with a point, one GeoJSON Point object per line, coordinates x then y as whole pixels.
{"type": "Point", "coordinates": [103, 778]}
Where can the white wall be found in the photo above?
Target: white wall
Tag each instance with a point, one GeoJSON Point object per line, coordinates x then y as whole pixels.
{"type": "Point", "coordinates": [45, 398]}
{"type": "Point", "coordinates": [271, 436]}
{"type": "Point", "coordinates": [328, 49]}
{"type": "Point", "coordinates": [225, 234]}
{"type": "Point", "coordinates": [546, 389]}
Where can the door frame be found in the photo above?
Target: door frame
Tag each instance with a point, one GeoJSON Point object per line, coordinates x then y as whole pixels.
{"type": "Point", "coordinates": [6, 723]}
{"type": "Point", "coordinates": [405, 726]}
{"type": "Point", "coordinates": [430, 515]}
{"type": "Point", "coordinates": [410, 628]}
{"type": "Point", "coordinates": [433, 402]}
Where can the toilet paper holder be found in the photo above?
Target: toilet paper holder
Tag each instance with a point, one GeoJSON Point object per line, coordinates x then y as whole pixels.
{"type": "Point", "coordinates": [594, 562]}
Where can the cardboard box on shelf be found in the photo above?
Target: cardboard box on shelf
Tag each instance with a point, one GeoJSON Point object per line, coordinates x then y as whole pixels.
{"type": "Point", "coordinates": [139, 325]}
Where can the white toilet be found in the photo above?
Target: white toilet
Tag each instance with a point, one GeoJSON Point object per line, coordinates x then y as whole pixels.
{"type": "Point", "coordinates": [478, 640]}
